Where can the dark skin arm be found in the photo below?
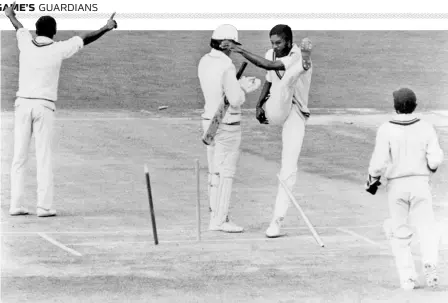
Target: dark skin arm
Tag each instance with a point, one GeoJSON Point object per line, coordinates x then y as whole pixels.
{"type": "Point", "coordinates": [9, 12]}
{"type": "Point", "coordinates": [95, 35]}
{"type": "Point", "coordinates": [268, 64]}
{"type": "Point", "coordinates": [264, 93]}
{"type": "Point", "coordinates": [260, 62]}
{"type": "Point", "coordinates": [259, 111]}
{"type": "Point", "coordinates": [254, 59]}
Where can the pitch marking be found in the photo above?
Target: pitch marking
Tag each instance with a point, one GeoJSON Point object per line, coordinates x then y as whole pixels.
{"type": "Point", "coordinates": [60, 245]}
{"type": "Point", "coordinates": [161, 230]}
{"type": "Point", "coordinates": [192, 241]}
{"type": "Point", "coordinates": [357, 236]}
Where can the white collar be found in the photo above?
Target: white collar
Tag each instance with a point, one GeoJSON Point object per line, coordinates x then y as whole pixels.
{"type": "Point", "coordinates": [42, 41]}
{"type": "Point", "coordinates": [294, 49]}
{"type": "Point", "coordinates": [404, 117]}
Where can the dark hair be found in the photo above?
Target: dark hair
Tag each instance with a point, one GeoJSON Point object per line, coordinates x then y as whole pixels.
{"type": "Point", "coordinates": [215, 44]}
{"type": "Point", "coordinates": [46, 26]}
{"type": "Point", "coordinates": [283, 31]}
{"type": "Point", "coordinates": [405, 101]}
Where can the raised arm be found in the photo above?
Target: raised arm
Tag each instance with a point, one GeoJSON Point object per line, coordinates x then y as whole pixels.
{"type": "Point", "coordinates": [11, 14]}
{"type": "Point", "coordinates": [254, 59]}
{"type": "Point", "coordinates": [95, 35]}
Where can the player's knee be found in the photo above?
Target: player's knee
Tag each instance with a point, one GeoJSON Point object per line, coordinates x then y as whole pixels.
{"type": "Point", "coordinates": [402, 232]}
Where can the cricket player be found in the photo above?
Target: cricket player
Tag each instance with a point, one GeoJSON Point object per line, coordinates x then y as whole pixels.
{"type": "Point", "coordinates": [406, 153]}
{"type": "Point", "coordinates": [39, 66]}
{"type": "Point", "coordinates": [284, 101]}
{"type": "Point", "coordinates": [217, 77]}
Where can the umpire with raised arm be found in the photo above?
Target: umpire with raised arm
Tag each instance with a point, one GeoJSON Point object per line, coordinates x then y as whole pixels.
{"type": "Point", "coordinates": [39, 67]}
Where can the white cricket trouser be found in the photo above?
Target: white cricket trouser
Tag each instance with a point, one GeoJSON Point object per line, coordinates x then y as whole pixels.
{"type": "Point", "coordinates": [223, 157]}
{"type": "Point", "coordinates": [280, 102]}
{"type": "Point", "coordinates": [292, 138]}
{"type": "Point", "coordinates": [410, 207]}
{"type": "Point", "coordinates": [32, 117]}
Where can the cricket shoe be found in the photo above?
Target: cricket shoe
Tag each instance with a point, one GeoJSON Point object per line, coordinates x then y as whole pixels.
{"type": "Point", "coordinates": [228, 227]}
{"type": "Point", "coordinates": [274, 229]}
{"type": "Point", "coordinates": [408, 284]}
{"type": "Point", "coordinates": [42, 212]}
{"type": "Point", "coordinates": [430, 272]}
{"type": "Point", "coordinates": [306, 47]}
{"type": "Point", "coordinates": [18, 211]}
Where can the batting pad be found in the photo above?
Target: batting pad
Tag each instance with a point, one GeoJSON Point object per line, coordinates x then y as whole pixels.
{"type": "Point", "coordinates": [223, 200]}
{"type": "Point", "coordinates": [213, 192]}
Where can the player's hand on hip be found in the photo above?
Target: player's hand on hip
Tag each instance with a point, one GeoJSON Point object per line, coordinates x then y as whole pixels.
{"type": "Point", "coordinates": [260, 115]}
{"type": "Point", "coordinates": [9, 11]}
{"type": "Point", "coordinates": [111, 23]}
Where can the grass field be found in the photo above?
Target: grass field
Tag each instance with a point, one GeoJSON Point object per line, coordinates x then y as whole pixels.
{"type": "Point", "coordinates": [145, 69]}
{"type": "Point", "coordinates": [100, 246]}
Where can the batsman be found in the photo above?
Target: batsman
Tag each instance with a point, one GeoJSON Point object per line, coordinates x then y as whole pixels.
{"type": "Point", "coordinates": [218, 81]}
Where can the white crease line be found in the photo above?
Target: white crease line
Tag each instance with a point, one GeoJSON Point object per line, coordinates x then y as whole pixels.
{"type": "Point", "coordinates": [18, 233]}
{"type": "Point", "coordinates": [60, 245]}
{"type": "Point", "coordinates": [161, 230]}
{"type": "Point", "coordinates": [332, 227]}
{"type": "Point", "coordinates": [357, 236]}
{"type": "Point", "coordinates": [194, 241]}
{"type": "Point", "coordinates": [111, 119]}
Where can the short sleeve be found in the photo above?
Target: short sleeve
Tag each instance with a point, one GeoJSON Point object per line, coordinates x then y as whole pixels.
{"type": "Point", "coordinates": [71, 46]}
{"type": "Point", "coordinates": [23, 37]}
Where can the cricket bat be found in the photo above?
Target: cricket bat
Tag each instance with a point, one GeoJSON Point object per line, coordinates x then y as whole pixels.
{"type": "Point", "coordinates": [210, 134]}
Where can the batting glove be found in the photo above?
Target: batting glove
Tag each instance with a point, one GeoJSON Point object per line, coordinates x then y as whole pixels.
{"type": "Point", "coordinates": [249, 84]}
{"type": "Point", "coordinates": [372, 184]}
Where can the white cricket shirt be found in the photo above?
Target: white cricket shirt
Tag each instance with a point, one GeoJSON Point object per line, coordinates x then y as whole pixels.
{"type": "Point", "coordinates": [302, 87]}
{"type": "Point", "coordinates": [405, 146]}
{"type": "Point", "coordinates": [217, 77]}
{"type": "Point", "coordinates": [40, 64]}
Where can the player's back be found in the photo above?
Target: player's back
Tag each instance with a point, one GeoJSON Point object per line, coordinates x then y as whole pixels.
{"type": "Point", "coordinates": [211, 73]}
{"type": "Point", "coordinates": [39, 70]}
{"type": "Point", "coordinates": [409, 143]}
{"type": "Point", "coordinates": [40, 63]}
